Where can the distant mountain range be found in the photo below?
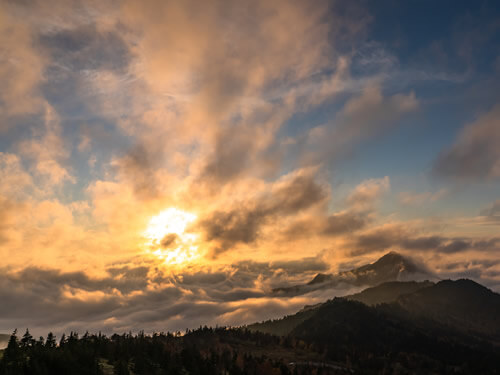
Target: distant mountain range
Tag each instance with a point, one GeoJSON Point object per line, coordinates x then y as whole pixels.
{"type": "Point", "coordinates": [461, 305]}
{"type": "Point", "coordinates": [390, 267]}
{"type": "Point", "coordinates": [450, 326]}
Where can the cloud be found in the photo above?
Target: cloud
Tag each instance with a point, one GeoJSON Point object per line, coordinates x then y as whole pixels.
{"type": "Point", "coordinates": [321, 225]}
{"type": "Point", "coordinates": [7, 219]}
{"type": "Point", "coordinates": [21, 67]}
{"type": "Point", "coordinates": [490, 215]}
{"type": "Point", "coordinates": [411, 198]}
{"type": "Point", "coordinates": [475, 154]}
{"type": "Point", "coordinates": [139, 167]}
{"type": "Point", "coordinates": [224, 77]}
{"type": "Point", "coordinates": [362, 117]}
{"type": "Point", "coordinates": [401, 237]}
{"type": "Point", "coordinates": [82, 50]}
{"type": "Point", "coordinates": [48, 151]}
{"type": "Point", "coordinates": [315, 264]}
{"type": "Point", "coordinates": [367, 192]}
{"type": "Point", "coordinates": [14, 178]}
{"type": "Point", "coordinates": [493, 211]}
{"type": "Point", "coordinates": [190, 105]}
{"type": "Point", "coordinates": [173, 99]}
{"type": "Point", "coordinates": [359, 213]}
{"type": "Point", "coordinates": [130, 297]}
{"type": "Point", "coordinates": [344, 223]}
{"type": "Point", "coordinates": [242, 223]}
{"type": "Point", "coordinates": [486, 270]}
{"type": "Point", "coordinates": [221, 42]}
{"type": "Point", "coordinates": [218, 81]}
{"type": "Point", "coordinates": [169, 240]}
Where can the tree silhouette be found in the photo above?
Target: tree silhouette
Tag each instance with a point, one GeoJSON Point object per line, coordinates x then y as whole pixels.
{"type": "Point", "coordinates": [12, 361]}
{"type": "Point", "coordinates": [27, 341]}
{"type": "Point", "coordinates": [51, 340]}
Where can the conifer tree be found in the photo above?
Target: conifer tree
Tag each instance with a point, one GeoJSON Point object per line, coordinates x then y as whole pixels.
{"type": "Point", "coordinates": [12, 361]}
{"type": "Point", "coordinates": [51, 341]}
{"type": "Point", "coordinates": [27, 341]}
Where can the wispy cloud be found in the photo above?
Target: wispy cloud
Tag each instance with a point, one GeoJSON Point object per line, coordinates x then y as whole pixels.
{"type": "Point", "coordinates": [270, 123]}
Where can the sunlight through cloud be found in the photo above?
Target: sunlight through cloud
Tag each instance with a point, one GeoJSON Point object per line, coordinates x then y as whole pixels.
{"type": "Point", "coordinates": [167, 239]}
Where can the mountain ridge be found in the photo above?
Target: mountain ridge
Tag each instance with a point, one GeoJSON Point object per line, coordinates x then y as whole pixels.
{"type": "Point", "coordinates": [462, 305]}
{"type": "Point", "coordinates": [390, 267]}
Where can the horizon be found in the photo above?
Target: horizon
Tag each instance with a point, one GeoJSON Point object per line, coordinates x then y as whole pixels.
{"type": "Point", "coordinates": [166, 165]}
{"type": "Point", "coordinates": [59, 335]}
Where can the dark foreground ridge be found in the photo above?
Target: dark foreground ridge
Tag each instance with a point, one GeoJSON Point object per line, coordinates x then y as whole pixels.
{"type": "Point", "coordinates": [451, 327]}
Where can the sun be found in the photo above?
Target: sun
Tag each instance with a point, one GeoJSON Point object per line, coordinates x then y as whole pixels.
{"type": "Point", "coordinates": [167, 239]}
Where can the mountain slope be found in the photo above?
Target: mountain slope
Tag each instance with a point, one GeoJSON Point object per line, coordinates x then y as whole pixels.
{"type": "Point", "coordinates": [285, 325]}
{"type": "Point", "coordinates": [403, 327]}
{"type": "Point", "coordinates": [383, 293]}
{"type": "Point", "coordinates": [462, 304]}
{"type": "Point", "coordinates": [388, 292]}
{"type": "Point", "coordinates": [386, 335]}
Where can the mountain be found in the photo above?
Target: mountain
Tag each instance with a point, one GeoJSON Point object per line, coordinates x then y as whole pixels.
{"type": "Point", "coordinates": [388, 339]}
{"type": "Point", "coordinates": [388, 292]}
{"type": "Point", "coordinates": [461, 305]}
{"type": "Point", "coordinates": [398, 327]}
{"type": "Point", "coordinates": [391, 267]}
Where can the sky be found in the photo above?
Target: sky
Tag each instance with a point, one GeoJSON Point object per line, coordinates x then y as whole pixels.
{"type": "Point", "coordinates": [165, 164]}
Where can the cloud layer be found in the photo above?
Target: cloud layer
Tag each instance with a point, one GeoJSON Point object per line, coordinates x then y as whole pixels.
{"type": "Point", "coordinates": [287, 131]}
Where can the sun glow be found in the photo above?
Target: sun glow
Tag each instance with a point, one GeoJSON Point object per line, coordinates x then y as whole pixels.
{"type": "Point", "coordinates": [167, 238]}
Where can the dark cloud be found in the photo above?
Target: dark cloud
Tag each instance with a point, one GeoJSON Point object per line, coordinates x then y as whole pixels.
{"type": "Point", "coordinates": [242, 223]}
{"type": "Point", "coordinates": [422, 243]}
{"type": "Point", "coordinates": [86, 48]}
{"type": "Point", "coordinates": [44, 302]}
{"type": "Point", "coordinates": [476, 151]}
{"type": "Point", "coordinates": [79, 57]}
{"type": "Point", "coordinates": [169, 240]}
{"type": "Point", "coordinates": [135, 297]}
{"type": "Point", "coordinates": [128, 272]}
{"type": "Point", "coordinates": [342, 223]}
{"type": "Point", "coordinates": [386, 239]}
{"type": "Point", "coordinates": [233, 227]}
{"type": "Point", "coordinates": [487, 244]}
{"type": "Point", "coordinates": [455, 246]}
{"type": "Point", "coordinates": [233, 152]}
{"type": "Point", "coordinates": [378, 240]}
{"type": "Point", "coordinates": [296, 194]}
{"type": "Point", "coordinates": [492, 213]}
{"type": "Point", "coordinates": [139, 168]}
{"type": "Point", "coordinates": [302, 265]}
{"type": "Point", "coordinates": [125, 279]}
{"type": "Point", "coordinates": [203, 278]}
{"type": "Point", "coordinates": [336, 224]}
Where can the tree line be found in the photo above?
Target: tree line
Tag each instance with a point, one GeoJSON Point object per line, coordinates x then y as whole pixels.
{"type": "Point", "coordinates": [202, 351]}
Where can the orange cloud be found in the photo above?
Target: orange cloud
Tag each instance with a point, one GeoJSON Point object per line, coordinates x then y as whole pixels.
{"type": "Point", "coordinates": [21, 68]}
